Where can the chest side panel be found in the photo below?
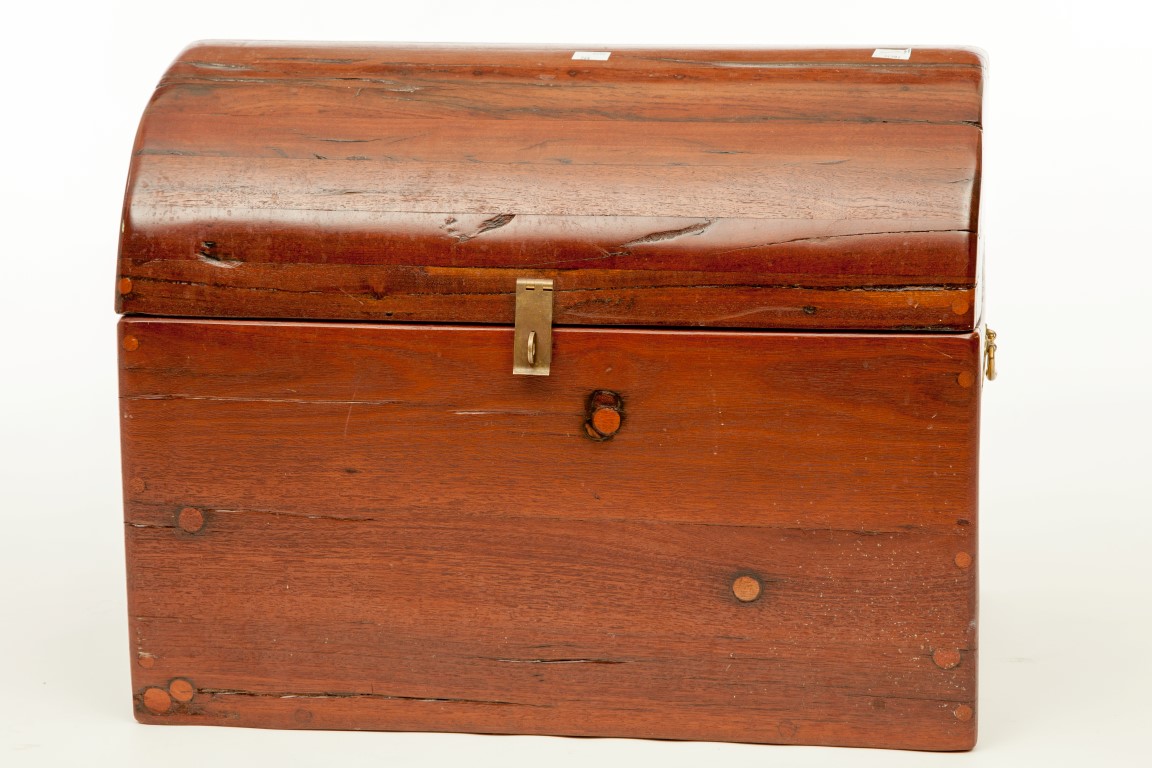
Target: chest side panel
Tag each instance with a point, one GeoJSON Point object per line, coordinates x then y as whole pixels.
{"type": "Point", "coordinates": [341, 526]}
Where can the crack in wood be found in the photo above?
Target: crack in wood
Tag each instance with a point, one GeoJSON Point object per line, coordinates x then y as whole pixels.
{"type": "Point", "coordinates": [305, 515]}
{"type": "Point", "coordinates": [836, 65]}
{"type": "Point", "coordinates": [495, 222]}
{"type": "Point", "coordinates": [822, 238]}
{"type": "Point", "coordinates": [433, 293]}
{"type": "Point", "coordinates": [609, 254]}
{"type": "Point", "coordinates": [903, 530]}
{"type": "Point", "coordinates": [905, 698]}
{"type": "Point", "coordinates": [556, 661]}
{"type": "Point", "coordinates": [209, 254]}
{"type": "Point", "coordinates": [341, 141]}
{"type": "Point", "coordinates": [669, 234]}
{"type": "Point", "coordinates": [300, 401]}
{"type": "Point", "coordinates": [337, 84]}
{"type": "Point", "coordinates": [360, 695]}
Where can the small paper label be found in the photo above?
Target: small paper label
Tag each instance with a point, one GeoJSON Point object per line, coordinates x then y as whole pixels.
{"type": "Point", "coordinates": [892, 53]}
{"type": "Point", "coordinates": [597, 55]}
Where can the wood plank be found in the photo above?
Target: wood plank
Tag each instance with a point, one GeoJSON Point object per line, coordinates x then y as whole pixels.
{"type": "Point", "coordinates": [586, 297]}
{"type": "Point", "coordinates": [183, 187]}
{"type": "Point", "coordinates": [500, 159]}
{"type": "Point", "coordinates": [857, 98]}
{"type": "Point", "coordinates": [846, 148]}
{"type": "Point", "coordinates": [632, 84]}
{"type": "Point", "coordinates": [790, 400]}
{"type": "Point", "coordinates": [564, 624]}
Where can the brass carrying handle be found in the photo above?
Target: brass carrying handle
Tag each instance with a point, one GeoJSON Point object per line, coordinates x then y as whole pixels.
{"type": "Point", "coordinates": [990, 355]}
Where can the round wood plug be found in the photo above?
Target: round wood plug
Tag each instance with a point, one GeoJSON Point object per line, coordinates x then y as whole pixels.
{"type": "Point", "coordinates": [605, 415]}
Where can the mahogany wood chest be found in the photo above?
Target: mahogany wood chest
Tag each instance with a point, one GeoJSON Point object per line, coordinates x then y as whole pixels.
{"type": "Point", "coordinates": [532, 390]}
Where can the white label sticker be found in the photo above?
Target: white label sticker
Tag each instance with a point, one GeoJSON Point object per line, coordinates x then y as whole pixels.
{"type": "Point", "coordinates": [591, 55]}
{"type": "Point", "coordinates": [892, 53]}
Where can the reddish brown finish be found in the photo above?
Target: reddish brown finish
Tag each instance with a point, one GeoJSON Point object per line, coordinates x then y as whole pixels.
{"type": "Point", "coordinates": [820, 189]}
{"type": "Point", "coordinates": [401, 535]}
{"type": "Point", "coordinates": [682, 534]}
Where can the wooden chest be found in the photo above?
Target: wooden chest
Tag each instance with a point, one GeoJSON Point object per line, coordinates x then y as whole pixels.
{"type": "Point", "coordinates": [734, 497]}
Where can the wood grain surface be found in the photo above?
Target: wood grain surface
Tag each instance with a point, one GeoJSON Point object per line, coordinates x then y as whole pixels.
{"type": "Point", "coordinates": [722, 188]}
{"type": "Point", "coordinates": [377, 526]}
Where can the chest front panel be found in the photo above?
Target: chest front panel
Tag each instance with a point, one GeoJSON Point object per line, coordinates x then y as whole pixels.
{"type": "Point", "coordinates": [349, 526]}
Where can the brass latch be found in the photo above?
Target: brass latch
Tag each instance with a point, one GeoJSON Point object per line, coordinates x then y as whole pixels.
{"type": "Point", "coordinates": [990, 354]}
{"type": "Point", "coordinates": [532, 342]}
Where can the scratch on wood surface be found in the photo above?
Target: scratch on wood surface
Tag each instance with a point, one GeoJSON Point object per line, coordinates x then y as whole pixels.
{"type": "Point", "coordinates": [349, 295]}
{"type": "Point", "coordinates": [216, 65]}
{"type": "Point", "coordinates": [753, 311]}
{"type": "Point", "coordinates": [352, 403]}
{"type": "Point", "coordinates": [938, 351]}
{"type": "Point", "coordinates": [503, 412]}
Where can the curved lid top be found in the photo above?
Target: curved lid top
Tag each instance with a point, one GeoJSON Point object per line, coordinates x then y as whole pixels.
{"type": "Point", "coordinates": [724, 188]}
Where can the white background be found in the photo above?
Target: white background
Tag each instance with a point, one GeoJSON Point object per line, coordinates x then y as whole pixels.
{"type": "Point", "coordinates": [1066, 536]}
